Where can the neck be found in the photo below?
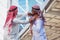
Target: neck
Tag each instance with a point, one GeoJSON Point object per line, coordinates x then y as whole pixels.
{"type": "Point", "coordinates": [36, 16]}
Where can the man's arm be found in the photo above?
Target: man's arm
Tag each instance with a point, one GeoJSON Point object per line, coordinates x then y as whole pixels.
{"type": "Point", "coordinates": [16, 20]}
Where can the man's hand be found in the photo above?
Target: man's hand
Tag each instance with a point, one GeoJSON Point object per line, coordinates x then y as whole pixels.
{"type": "Point", "coordinates": [29, 14]}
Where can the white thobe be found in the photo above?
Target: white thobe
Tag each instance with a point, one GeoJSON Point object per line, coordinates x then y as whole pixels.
{"type": "Point", "coordinates": [38, 30]}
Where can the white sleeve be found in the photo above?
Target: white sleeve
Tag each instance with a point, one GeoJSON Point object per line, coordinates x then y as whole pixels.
{"type": "Point", "coordinates": [21, 15]}
{"type": "Point", "coordinates": [16, 20]}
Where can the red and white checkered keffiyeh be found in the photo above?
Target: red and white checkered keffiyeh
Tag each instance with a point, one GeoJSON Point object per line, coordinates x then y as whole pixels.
{"type": "Point", "coordinates": [10, 16]}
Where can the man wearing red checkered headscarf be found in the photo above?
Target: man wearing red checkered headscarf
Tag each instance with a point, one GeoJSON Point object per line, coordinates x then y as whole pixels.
{"type": "Point", "coordinates": [9, 25]}
{"type": "Point", "coordinates": [10, 16]}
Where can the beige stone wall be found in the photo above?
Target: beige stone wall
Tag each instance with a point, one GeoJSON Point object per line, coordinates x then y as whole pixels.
{"type": "Point", "coordinates": [52, 27]}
